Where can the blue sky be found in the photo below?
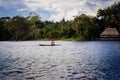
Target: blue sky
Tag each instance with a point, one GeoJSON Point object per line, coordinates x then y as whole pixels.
{"type": "Point", "coordinates": [53, 9]}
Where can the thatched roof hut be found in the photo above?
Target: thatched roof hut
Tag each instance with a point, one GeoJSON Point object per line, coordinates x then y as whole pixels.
{"type": "Point", "coordinates": [110, 33]}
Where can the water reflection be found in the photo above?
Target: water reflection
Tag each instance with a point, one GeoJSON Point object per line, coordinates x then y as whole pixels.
{"type": "Point", "coordinates": [85, 60]}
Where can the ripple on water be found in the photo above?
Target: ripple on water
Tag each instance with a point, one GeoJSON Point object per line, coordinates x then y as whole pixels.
{"type": "Point", "coordinates": [70, 61]}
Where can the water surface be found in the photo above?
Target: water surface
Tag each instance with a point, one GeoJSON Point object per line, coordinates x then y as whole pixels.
{"type": "Point", "coordinates": [86, 60]}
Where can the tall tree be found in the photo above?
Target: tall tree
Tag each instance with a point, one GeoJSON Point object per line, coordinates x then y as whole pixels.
{"type": "Point", "coordinates": [18, 28]}
{"type": "Point", "coordinates": [110, 16]}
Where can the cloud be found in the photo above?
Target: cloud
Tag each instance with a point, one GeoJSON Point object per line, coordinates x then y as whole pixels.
{"type": "Point", "coordinates": [58, 9]}
{"type": "Point", "coordinates": [68, 8]}
{"type": "Point", "coordinates": [68, 15]}
{"type": "Point", "coordinates": [61, 8]}
{"type": "Point", "coordinates": [21, 9]}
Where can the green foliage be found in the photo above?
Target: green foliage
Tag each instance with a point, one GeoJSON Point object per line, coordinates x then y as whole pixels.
{"type": "Point", "coordinates": [67, 30]}
{"type": "Point", "coordinates": [39, 24]}
{"type": "Point", "coordinates": [18, 28]}
{"type": "Point", "coordinates": [83, 27]}
{"type": "Point", "coordinates": [34, 18]}
{"type": "Point", "coordinates": [110, 17]}
{"type": "Point", "coordinates": [2, 31]}
{"type": "Point", "coordinates": [55, 34]}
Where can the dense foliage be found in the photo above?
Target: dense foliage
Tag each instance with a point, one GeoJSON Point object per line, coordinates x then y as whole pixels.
{"type": "Point", "coordinates": [83, 27]}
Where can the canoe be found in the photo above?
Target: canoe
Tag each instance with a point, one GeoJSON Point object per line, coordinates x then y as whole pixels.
{"type": "Point", "coordinates": [49, 45]}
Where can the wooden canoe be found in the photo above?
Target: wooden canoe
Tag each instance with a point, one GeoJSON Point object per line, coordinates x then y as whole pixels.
{"type": "Point", "coordinates": [49, 45]}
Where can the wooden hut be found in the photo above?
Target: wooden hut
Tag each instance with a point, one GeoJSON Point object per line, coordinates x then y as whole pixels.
{"type": "Point", "coordinates": [110, 34]}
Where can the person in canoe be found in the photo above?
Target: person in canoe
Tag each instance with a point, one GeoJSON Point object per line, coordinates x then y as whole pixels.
{"type": "Point", "coordinates": [52, 43]}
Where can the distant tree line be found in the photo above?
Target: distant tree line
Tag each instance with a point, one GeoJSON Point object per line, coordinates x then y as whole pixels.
{"type": "Point", "coordinates": [83, 27]}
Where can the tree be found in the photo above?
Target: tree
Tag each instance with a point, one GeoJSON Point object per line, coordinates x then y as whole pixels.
{"type": "Point", "coordinates": [2, 31]}
{"type": "Point", "coordinates": [18, 28]}
{"type": "Point", "coordinates": [110, 16]}
{"type": "Point", "coordinates": [68, 31]}
{"type": "Point", "coordinates": [84, 27]}
{"type": "Point", "coordinates": [54, 34]}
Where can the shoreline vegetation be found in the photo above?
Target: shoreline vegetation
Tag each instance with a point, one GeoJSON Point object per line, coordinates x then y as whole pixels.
{"type": "Point", "coordinates": [81, 28]}
{"type": "Point", "coordinates": [65, 39]}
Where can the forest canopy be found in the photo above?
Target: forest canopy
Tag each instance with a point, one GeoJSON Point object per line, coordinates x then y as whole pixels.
{"type": "Point", "coordinates": [83, 27]}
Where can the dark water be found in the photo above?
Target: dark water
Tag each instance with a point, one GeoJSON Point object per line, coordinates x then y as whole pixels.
{"type": "Point", "coordinates": [87, 60]}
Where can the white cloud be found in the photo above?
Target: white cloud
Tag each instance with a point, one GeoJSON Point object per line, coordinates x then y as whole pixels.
{"type": "Point", "coordinates": [21, 9]}
{"type": "Point", "coordinates": [68, 15]}
{"type": "Point", "coordinates": [57, 17]}
{"type": "Point", "coordinates": [61, 8]}
{"type": "Point", "coordinates": [68, 8]}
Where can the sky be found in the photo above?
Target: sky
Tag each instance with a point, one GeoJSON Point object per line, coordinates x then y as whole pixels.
{"type": "Point", "coordinates": [53, 10]}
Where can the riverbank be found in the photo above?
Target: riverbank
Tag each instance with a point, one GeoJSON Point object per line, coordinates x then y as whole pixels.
{"type": "Point", "coordinates": [70, 39]}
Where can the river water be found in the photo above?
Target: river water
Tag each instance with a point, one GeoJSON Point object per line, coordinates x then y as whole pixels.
{"type": "Point", "coordinates": [85, 60]}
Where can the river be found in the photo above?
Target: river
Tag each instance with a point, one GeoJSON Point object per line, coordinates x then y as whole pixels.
{"type": "Point", "coordinates": [72, 60]}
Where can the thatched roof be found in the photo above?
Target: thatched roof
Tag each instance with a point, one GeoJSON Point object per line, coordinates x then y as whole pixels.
{"type": "Point", "coordinates": [110, 32]}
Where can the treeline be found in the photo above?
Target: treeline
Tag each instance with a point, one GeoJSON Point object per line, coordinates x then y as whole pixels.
{"type": "Point", "coordinates": [83, 27]}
